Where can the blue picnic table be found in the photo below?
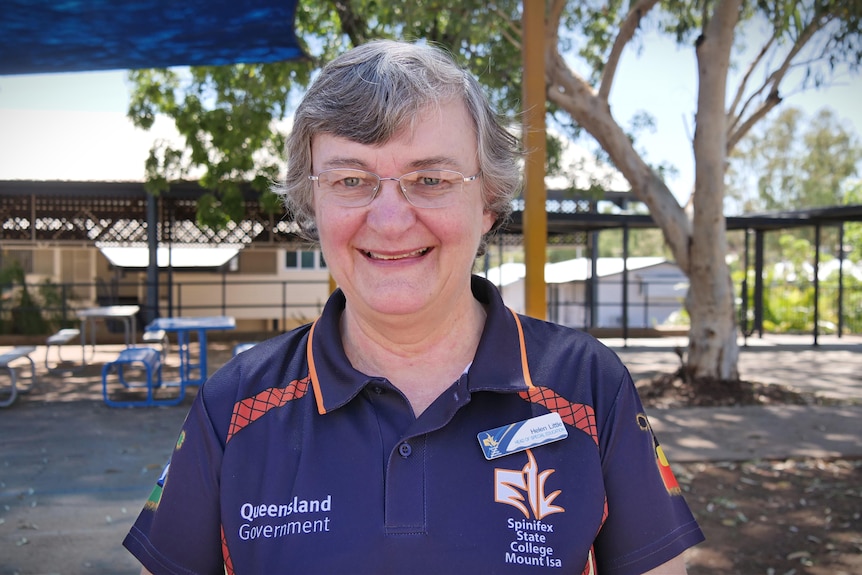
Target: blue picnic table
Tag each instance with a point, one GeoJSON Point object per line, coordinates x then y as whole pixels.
{"type": "Point", "coordinates": [184, 327]}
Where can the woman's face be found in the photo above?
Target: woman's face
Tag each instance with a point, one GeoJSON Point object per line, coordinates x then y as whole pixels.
{"type": "Point", "coordinates": [390, 257]}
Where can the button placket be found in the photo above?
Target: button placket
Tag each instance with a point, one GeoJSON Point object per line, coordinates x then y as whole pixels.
{"type": "Point", "coordinates": [405, 488]}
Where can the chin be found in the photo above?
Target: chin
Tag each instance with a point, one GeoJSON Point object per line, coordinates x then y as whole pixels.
{"type": "Point", "coordinates": [397, 300]}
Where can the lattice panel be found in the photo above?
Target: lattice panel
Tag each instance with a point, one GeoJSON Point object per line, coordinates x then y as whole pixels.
{"type": "Point", "coordinates": [178, 224]}
{"type": "Point", "coordinates": [15, 217]}
{"type": "Point", "coordinates": [121, 219]}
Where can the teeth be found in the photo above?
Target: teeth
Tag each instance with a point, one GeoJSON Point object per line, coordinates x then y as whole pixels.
{"type": "Point", "coordinates": [396, 257]}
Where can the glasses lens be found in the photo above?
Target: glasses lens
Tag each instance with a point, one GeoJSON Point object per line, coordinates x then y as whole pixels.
{"type": "Point", "coordinates": [353, 188]}
{"type": "Point", "coordinates": [432, 188]}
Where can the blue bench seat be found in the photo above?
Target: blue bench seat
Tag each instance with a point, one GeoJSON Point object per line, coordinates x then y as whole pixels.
{"type": "Point", "coordinates": [149, 360]}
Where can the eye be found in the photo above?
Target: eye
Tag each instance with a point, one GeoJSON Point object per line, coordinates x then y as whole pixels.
{"type": "Point", "coordinates": [430, 180]}
{"type": "Point", "coordinates": [350, 182]}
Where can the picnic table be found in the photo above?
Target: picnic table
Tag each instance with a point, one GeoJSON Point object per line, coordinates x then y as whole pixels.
{"type": "Point", "coordinates": [126, 314]}
{"type": "Point", "coordinates": [185, 327]}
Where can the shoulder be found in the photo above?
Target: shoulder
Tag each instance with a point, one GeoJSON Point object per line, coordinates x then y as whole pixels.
{"type": "Point", "coordinates": [272, 363]}
{"type": "Point", "coordinates": [573, 362]}
{"type": "Point", "coordinates": [553, 342]}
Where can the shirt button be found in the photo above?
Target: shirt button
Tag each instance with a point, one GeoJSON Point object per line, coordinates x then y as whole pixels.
{"type": "Point", "coordinates": [377, 389]}
{"type": "Point", "coordinates": [405, 450]}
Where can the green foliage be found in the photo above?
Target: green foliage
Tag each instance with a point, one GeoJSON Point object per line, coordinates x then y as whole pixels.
{"type": "Point", "coordinates": [24, 315]}
{"type": "Point", "coordinates": [54, 307]}
{"type": "Point", "coordinates": [853, 231]}
{"type": "Point", "coordinates": [642, 243]}
{"type": "Point", "coordinates": [788, 305]}
{"type": "Point", "coordinates": [793, 163]}
{"type": "Point", "coordinates": [228, 115]}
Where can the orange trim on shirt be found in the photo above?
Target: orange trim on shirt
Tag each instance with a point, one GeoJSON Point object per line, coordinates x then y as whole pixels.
{"type": "Point", "coordinates": [579, 415]}
{"type": "Point", "coordinates": [312, 371]}
{"type": "Point", "coordinates": [527, 379]}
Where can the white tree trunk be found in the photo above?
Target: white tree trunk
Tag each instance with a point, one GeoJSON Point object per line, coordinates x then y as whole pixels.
{"type": "Point", "coordinates": [713, 350]}
{"type": "Point", "coordinates": [699, 244]}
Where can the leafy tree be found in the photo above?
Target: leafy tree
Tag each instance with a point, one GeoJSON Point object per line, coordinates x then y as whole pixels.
{"type": "Point", "coordinates": [229, 116]}
{"type": "Point", "coordinates": [790, 164]}
{"type": "Point", "coordinates": [222, 114]}
{"type": "Point", "coordinates": [818, 36]}
{"type": "Point", "coordinates": [853, 231]}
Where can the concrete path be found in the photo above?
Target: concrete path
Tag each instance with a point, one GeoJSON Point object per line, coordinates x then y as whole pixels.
{"type": "Point", "coordinates": [74, 473]}
{"type": "Point", "coordinates": [832, 370]}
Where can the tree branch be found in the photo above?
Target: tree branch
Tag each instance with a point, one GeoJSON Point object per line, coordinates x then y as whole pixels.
{"type": "Point", "coordinates": [352, 24]}
{"type": "Point", "coordinates": [510, 29]}
{"type": "Point", "coordinates": [573, 94]}
{"type": "Point", "coordinates": [552, 23]}
{"type": "Point", "coordinates": [773, 82]}
{"type": "Point", "coordinates": [733, 117]}
{"type": "Point", "coordinates": [628, 27]}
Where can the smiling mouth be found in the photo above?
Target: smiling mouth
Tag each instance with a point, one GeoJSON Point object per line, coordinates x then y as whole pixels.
{"type": "Point", "coordinates": [385, 257]}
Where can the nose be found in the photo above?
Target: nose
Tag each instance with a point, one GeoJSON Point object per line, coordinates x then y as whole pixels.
{"type": "Point", "coordinates": [390, 211]}
{"type": "Point", "coordinates": [397, 183]}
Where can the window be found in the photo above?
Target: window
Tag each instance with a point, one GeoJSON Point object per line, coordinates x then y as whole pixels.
{"type": "Point", "coordinates": [304, 260]}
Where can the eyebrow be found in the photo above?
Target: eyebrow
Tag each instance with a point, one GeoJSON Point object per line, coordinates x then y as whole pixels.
{"type": "Point", "coordinates": [445, 162]}
{"type": "Point", "coordinates": [344, 162]}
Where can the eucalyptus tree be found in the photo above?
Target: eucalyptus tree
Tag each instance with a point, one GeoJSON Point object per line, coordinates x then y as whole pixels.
{"type": "Point", "coordinates": [815, 36]}
{"type": "Point", "coordinates": [791, 161]}
{"type": "Point", "coordinates": [227, 115]}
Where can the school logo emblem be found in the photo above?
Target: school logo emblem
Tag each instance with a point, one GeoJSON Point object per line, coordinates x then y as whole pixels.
{"type": "Point", "coordinates": [525, 488]}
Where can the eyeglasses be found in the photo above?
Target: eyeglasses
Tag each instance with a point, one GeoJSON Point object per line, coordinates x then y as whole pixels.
{"type": "Point", "coordinates": [423, 188]}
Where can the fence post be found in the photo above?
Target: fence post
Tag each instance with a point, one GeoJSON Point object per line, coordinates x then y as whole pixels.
{"type": "Point", "coordinates": [284, 305]}
{"type": "Point", "coordinates": [64, 306]}
{"type": "Point", "coordinates": [816, 282]}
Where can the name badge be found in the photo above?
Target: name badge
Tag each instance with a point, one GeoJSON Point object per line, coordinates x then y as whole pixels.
{"type": "Point", "coordinates": [523, 435]}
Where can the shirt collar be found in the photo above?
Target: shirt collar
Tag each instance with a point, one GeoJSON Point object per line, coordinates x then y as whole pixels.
{"type": "Point", "coordinates": [498, 364]}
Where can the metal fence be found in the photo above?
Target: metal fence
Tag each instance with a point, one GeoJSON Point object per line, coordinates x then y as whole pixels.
{"type": "Point", "coordinates": [41, 308]}
{"type": "Point", "coordinates": [788, 307]}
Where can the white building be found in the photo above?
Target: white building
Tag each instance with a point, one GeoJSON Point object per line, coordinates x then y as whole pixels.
{"type": "Point", "coordinates": [265, 289]}
{"type": "Point", "coordinates": [656, 290]}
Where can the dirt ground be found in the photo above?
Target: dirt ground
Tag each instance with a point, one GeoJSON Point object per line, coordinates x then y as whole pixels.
{"type": "Point", "coordinates": [787, 517]}
{"type": "Point", "coordinates": [774, 517]}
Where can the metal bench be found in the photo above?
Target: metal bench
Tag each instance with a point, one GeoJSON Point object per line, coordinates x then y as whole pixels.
{"type": "Point", "coordinates": [148, 359]}
{"type": "Point", "coordinates": [160, 337]}
{"type": "Point", "coordinates": [21, 352]}
{"type": "Point", "coordinates": [58, 340]}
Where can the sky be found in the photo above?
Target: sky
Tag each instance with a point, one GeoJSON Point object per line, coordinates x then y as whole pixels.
{"type": "Point", "coordinates": [73, 126]}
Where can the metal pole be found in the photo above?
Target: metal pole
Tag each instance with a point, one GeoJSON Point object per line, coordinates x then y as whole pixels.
{"type": "Point", "coordinates": [744, 320]}
{"type": "Point", "coordinates": [840, 279]}
{"type": "Point", "coordinates": [535, 218]}
{"type": "Point", "coordinates": [816, 281]}
{"type": "Point", "coordinates": [758, 282]}
{"type": "Point", "coordinates": [625, 285]}
{"type": "Point", "coordinates": [151, 311]}
{"type": "Point", "coordinates": [173, 222]}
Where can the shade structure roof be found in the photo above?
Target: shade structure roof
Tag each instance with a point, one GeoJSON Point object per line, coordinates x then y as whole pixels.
{"type": "Point", "coordinates": [48, 36]}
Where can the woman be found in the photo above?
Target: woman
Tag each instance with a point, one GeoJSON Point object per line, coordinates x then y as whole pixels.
{"type": "Point", "coordinates": [418, 426]}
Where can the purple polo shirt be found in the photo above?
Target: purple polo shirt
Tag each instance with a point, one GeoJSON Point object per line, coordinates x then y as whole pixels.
{"type": "Point", "coordinates": [291, 461]}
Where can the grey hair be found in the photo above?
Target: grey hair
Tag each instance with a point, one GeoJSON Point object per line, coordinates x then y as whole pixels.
{"type": "Point", "coordinates": [368, 94]}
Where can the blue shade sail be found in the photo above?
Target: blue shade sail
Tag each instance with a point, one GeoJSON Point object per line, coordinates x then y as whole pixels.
{"type": "Point", "coordinates": [45, 36]}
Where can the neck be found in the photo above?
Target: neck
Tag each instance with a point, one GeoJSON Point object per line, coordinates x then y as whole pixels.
{"type": "Point", "coordinates": [420, 356]}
